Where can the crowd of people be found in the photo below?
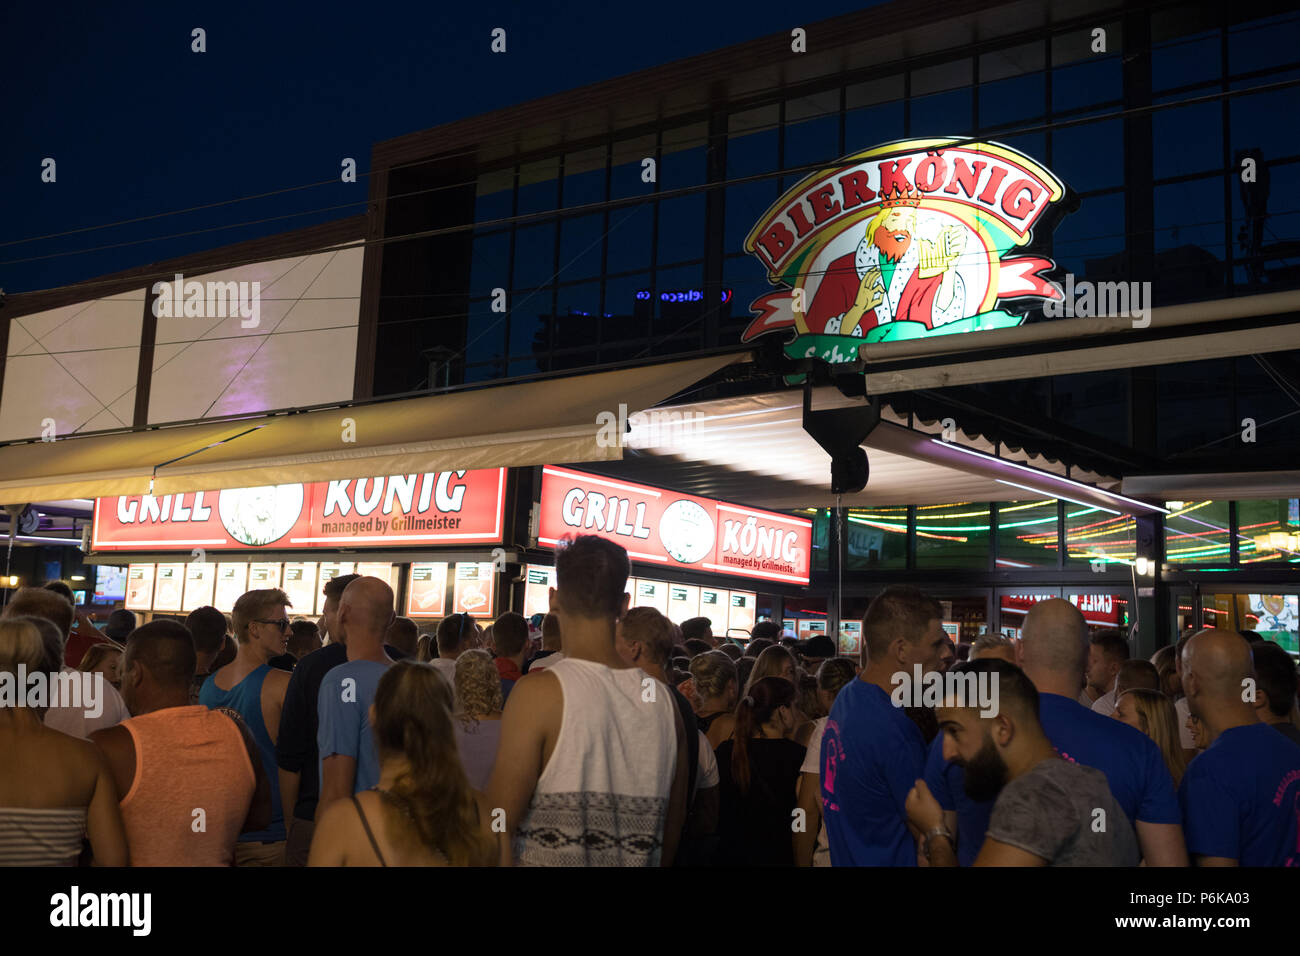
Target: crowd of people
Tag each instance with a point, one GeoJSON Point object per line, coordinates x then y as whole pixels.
{"type": "Point", "coordinates": [603, 735]}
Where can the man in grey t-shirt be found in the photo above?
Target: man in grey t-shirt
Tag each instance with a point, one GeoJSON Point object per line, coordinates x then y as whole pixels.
{"type": "Point", "coordinates": [1049, 811]}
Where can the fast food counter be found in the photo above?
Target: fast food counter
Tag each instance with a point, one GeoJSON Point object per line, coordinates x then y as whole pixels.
{"type": "Point", "coordinates": [476, 542]}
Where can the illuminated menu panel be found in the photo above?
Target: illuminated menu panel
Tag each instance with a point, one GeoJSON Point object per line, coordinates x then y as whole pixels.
{"type": "Point", "coordinates": [850, 644]}
{"type": "Point", "coordinates": [713, 605]}
{"type": "Point", "coordinates": [650, 594]}
{"type": "Point", "coordinates": [139, 587]}
{"type": "Point", "coordinates": [383, 570]}
{"type": "Point", "coordinates": [683, 602]}
{"type": "Point", "coordinates": [426, 593]}
{"type": "Point", "coordinates": [232, 581]}
{"type": "Point", "coordinates": [300, 586]}
{"type": "Point", "coordinates": [327, 571]}
{"type": "Point", "coordinates": [538, 582]}
{"type": "Point", "coordinates": [263, 576]}
{"type": "Point", "coordinates": [808, 628]}
{"type": "Point", "coordinates": [169, 587]}
{"type": "Point", "coordinates": [200, 580]}
{"type": "Point", "coordinates": [474, 589]}
{"type": "Point", "coordinates": [741, 610]}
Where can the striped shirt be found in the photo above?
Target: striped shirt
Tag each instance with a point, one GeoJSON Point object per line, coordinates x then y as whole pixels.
{"type": "Point", "coordinates": [41, 837]}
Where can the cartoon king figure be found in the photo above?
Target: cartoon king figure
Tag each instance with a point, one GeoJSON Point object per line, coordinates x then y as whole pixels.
{"type": "Point", "coordinates": [893, 276]}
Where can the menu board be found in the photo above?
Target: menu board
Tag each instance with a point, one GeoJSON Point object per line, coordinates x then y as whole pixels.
{"type": "Point", "coordinates": [373, 569]}
{"type": "Point", "coordinates": [232, 581]}
{"type": "Point", "coordinates": [713, 605]}
{"type": "Point", "coordinates": [807, 628]}
{"type": "Point", "coordinates": [650, 594]}
{"type": "Point", "coordinates": [850, 643]}
{"type": "Point", "coordinates": [326, 571]}
{"type": "Point", "coordinates": [139, 587]}
{"type": "Point", "coordinates": [1276, 618]}
{"type": "Point", "coordinates": [300, 586]}
{"type": "Point", "coordinates": [538, 581]}
{"type": "Point", "coordinates": [263, 576]}
{"type": "Point", "coordinates": [200, 579]}
{"type": "Point", "coordinates": [741, 611]}
{"type": "Point", "coordinates": [683, 602]}
{"type": "Point", "coordinates": [474, 589]}
{"type": "Point", "coordinates": [169, 587]}
{"type": "Point", "coordinates": [426, 592]}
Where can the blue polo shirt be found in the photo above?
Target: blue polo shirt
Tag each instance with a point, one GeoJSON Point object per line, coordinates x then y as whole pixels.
{"type": "Point", "coordinates": [872, 755]}
{"type": "Point", "coordinates": [1241, 798]}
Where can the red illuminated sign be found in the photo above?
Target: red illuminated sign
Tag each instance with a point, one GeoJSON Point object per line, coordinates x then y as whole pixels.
{"type": "Point", "coordinates": [435, 508]}
{"type": "Point", "coordinates": [1099, 610]}
{"type": "Point", "coordinates": [673, 530]}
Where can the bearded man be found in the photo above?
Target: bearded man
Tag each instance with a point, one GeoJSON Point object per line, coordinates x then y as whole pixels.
{"type": "Point", "coordinates": [893, 276]}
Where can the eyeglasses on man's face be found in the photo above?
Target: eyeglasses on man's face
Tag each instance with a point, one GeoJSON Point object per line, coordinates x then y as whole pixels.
{"type": "Point", "coordinates": [281, 623]}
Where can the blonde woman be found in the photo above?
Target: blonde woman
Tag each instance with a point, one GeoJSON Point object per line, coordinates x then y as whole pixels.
{"type": "Point", "coordinates": [478, 714]}
{"type": "Point", "coordinates": [1153, 713]}
{"type": "Point", "coordinates": [65, 791]}
{"type": "Point", "coordinates": [423, 812]}
{"type": "Point", "coordinates": [775, 661]}
{"type": "Point", "coordinates": [104, 659]}
{"type": "Point", "coordinates": [713, 676]}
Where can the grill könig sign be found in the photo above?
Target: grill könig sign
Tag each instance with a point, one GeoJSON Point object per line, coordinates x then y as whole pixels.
{"type": "Point", "coordinates": [904, 240]}
{"type": "Point", "coordinates": [436, 508]}
{"type": "Point", "coordinates": [672, 530]}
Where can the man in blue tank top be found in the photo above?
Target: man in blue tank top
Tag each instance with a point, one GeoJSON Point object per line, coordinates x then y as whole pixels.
{"type": "Point", "coordinates": [255, 690]}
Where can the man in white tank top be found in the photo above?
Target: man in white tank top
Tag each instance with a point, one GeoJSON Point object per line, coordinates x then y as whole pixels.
{"type": "Point", "coordinates": [592, 767]}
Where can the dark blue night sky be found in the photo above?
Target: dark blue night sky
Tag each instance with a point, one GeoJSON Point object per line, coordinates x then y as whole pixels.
{"type": "Point", "coordinates": [140, 125]}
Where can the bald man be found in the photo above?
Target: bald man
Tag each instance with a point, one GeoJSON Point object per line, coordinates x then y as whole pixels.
{"type": "Point", "coordinates": [1241, 796]}
{"type": "Point", "coordinates": [349, 762]}
{"type": "Point", "coordinates": [1054, 655]}
{"type": "Point", "coordinates": [173, 756]}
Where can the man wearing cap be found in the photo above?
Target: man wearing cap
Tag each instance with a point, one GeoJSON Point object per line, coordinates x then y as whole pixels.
{"type": "Point", "coordinates": [814, 650]}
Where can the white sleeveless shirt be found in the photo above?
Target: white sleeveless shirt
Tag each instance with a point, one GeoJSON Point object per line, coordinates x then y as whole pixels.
{"type": "Point", "coordinates": [603, 797]}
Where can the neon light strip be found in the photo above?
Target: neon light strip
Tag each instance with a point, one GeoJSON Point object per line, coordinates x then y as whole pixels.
{"type": "Point", "coordinates": [1063, 497]}
{"type": "Point", "coordinates": [1048, 475]}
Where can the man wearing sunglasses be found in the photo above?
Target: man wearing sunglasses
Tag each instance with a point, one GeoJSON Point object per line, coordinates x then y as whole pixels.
{"type": "Point", "coordinates": [255, 690]}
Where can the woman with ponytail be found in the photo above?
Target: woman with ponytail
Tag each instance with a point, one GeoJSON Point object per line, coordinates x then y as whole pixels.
{"type": "Point", "coordinates": [759, 772]}
{"type": "Point", "coordinates": [423, 812]}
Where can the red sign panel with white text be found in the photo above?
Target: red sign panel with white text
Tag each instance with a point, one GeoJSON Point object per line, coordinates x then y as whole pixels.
{"type": "Point", "coordinates": [673, 530]}
{"type": "Point", "coordinates": [435, 508]}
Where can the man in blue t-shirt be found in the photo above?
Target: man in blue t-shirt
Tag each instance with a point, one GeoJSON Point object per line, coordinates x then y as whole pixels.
{"type": "Point", "coordinates": [348, 760]}
{"type": "Point", "coordinates": [1241, 796]}
{"type": "Point", "coordinates": [1054, 653]}
{"type": "Point", "coordinates": [872, 752]}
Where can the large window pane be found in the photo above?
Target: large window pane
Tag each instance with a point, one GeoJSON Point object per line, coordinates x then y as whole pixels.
{"type": "Point", "coordinates": [1268, 530]}
{"type": "Point", "coordinates": [1196, 532]}
{"type": "Point", "coordinates": [682, 160]}
{"type": "Point", "coordinates": [1195, 407]}
{"type": "Point", "coordinates": [580, 246]}
{"type": "Point", "coordinates": [952, 536]}
{"type": "Point", "coordinates": [752, 138]}
{"type": "Point", "coordinates": [1013, 100]}
{"type": "Point", "coordinates": [625, 176]}
{"type": "Point", "coordinates": [681, 228]}
{"type": "Point", "coordinates": [584, 177]}
{"type": "Point", "coordinates": [1091, 241]}
{"type": "Point", "coordinates": [812, 129]}
{"type": "Point", "coordinates": [942, 114]}
{"type": "Point", "coordinates": [1086, 84]}
{"type": "Point", "coordinates": [1254, 123]}
{"type": "Point", "coordinates": [876, 538]}
{"type": "Point", "coordinates": [1027, 534]}
{"type": "Point", "coordinates": [630, 231]}
{"type": "Point", "coordinates": [1089, 156]}
{"type": "Point", "coordinates": [746, 204]}
{"type": "Point", "coordinates": [1184, 61]}
{"type": "Point", "coordinates": [534, 257]}
{"type": "Point", "coordinates": [1188, 139]}
{"type": "Point", "coordinates": [494, 194]}
{"type": "Point", "coordinates": [1264, 43]}
{"type": "Point", "coordinates": [489, 268]}
{"type": "Point", "coordinates": [1095, 535]}
{"type": "Point", "coordinates": [539, 186]}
